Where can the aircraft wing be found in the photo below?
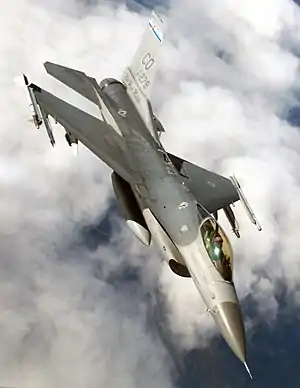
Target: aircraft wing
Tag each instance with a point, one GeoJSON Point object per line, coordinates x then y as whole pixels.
{"type": "Point", "coordinates": [140, 74]}
{"type": "Point", "coordinates": [211, 190]}
{"type": "Point", "coordinates": [96, 135]}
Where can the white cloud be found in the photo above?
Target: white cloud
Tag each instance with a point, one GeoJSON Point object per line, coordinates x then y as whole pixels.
{"type": "Point", "coordinates": [61, 325]}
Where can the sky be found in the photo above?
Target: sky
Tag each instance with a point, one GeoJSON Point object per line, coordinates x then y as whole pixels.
{"type": "Point", "coordinates": [82, 302]}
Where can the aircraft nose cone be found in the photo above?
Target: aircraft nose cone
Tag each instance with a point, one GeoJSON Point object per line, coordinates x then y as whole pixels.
{"type": "Point", "coordinates": [230, 321]}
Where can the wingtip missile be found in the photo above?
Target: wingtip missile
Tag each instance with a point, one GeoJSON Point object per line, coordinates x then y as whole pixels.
{"type": "Point", "coordinates": [36, 116]}
{"type": "Point", "coordinates": [245, 202]}
{"type": "Point", "coordinates": [39, 115]}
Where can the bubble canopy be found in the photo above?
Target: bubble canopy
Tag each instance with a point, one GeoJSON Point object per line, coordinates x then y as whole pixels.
{"type": "Point", "coordinates": [218, 247]}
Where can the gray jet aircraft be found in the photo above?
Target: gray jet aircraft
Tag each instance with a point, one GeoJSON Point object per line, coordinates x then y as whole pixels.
{"type": "Point", "coordinates": [164, 198]}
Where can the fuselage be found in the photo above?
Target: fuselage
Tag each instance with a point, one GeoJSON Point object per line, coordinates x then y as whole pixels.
{"type": "Point", "coordinates": [180, 227]}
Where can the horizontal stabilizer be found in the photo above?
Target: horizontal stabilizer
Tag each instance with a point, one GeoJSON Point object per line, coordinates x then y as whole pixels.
{"type": "Point", "coordinates": [75, 79]}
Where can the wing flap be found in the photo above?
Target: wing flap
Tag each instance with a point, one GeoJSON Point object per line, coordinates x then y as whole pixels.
{"type": "Point", "coordinates": [212, 191]}
{"type": "Point", "coordinates": [96, 135]}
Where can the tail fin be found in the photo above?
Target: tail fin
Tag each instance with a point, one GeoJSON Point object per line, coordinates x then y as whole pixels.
{"type": "Point", "coordinates": [139, 76]}
{"type": "Point", "coordinates": [144, 64]}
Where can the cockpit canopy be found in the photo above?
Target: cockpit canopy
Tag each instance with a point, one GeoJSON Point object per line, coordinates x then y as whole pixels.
{"type": "Point", "coordinates": [218, 247]}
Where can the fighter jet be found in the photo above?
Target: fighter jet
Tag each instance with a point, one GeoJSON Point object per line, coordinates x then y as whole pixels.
{"type": "Point", "coordinates": [163, 197]}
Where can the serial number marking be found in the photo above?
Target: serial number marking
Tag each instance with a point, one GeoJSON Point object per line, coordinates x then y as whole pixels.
{"type": "Point", "coordinates": [133, 89]}
{"type": "Point", "coordinates": [143, 79]}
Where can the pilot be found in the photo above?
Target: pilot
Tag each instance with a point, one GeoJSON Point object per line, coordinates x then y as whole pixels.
{"type": "Point", "coordinates": [218, 242]}
{"type": "Point", "coordinates": [217, 253]}
{"type": "Point", "coordinates": [214, 246]}
{"type": "Point", "coordinates": [208, 235]}
{"type": "Point", "coordinates": [224, 262]}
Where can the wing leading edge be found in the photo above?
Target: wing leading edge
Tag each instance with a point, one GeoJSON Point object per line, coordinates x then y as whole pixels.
{"type": "Point", "coordinates": [96, 135]}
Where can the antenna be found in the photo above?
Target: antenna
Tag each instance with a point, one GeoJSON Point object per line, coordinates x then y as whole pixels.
{"type": "Point", "coordinates": [248, 370]}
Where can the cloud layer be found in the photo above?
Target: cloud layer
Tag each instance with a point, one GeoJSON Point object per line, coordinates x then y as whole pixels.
{"type": "Point", "coordinates": [227, 76]}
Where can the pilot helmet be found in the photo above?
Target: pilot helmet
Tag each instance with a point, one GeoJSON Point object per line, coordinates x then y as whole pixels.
{"type": "Point", "coordinates": [218, 239]}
